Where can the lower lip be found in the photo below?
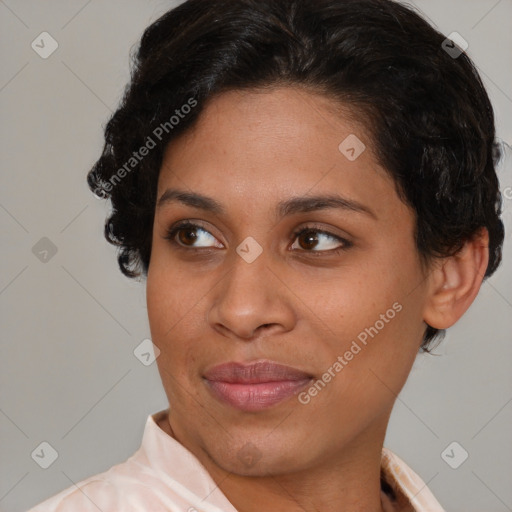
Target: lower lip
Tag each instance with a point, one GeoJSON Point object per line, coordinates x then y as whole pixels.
{"type": "Point", "coordinates": [256, 397]}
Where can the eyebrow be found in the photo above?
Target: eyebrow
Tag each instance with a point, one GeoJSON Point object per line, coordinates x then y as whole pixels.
{"type": "Point", "coordinates": [294, 205]}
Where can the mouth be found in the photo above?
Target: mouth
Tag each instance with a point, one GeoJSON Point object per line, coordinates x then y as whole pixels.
{"type": "Point", "coordinates": [255, 386]}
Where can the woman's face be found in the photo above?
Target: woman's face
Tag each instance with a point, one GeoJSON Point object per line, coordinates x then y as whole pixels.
{"type": "Point", "coordinates": [342, 303]}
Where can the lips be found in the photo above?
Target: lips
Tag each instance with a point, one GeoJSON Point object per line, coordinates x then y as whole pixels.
{"type": "Point", "coordinates": [254, 373]}
{"type": "Point", "coordinates": [255, 386]}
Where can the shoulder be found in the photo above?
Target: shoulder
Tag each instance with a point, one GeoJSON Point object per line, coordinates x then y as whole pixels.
{"type": "Point", "coordinates": [407, 489]}
{"type": "Point", "coordinates": [124, 487]}
{"type": "Point", "coordinates": [88, 495]}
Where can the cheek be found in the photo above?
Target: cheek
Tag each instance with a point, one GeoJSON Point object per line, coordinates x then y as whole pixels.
{"type": "Point", "coordinates": [171, 315]}
{"type": "Point", "coordinates": [177, 312]}
{"type": "Point", "coordinates": [355, 297]}
{"type": "Point", "coordinates": [174, 300]}
{"type": "Point", "coordinates": [377, 305]}
{"type": "Point", "coordinates": [377, 357]}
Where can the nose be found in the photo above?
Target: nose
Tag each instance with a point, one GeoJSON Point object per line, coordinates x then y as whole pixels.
{"type": "Point", "coordinates": [250, 301]}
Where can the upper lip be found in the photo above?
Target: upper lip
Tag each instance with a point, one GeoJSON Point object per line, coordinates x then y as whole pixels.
{"type": "Point", "coordinates": [254, 372]}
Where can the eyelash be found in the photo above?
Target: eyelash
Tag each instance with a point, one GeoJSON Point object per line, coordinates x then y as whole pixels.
{"type": "Point", "coordinates": [346, 244]}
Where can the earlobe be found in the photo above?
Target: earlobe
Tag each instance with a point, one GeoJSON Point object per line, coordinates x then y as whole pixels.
{"type": "Point", "coordinates": [455, 281]}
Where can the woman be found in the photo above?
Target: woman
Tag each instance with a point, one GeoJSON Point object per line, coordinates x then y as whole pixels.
{"type": "Point", "coordinates": [309, 188]}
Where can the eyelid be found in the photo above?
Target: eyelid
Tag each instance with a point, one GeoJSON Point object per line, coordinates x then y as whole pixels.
{"type": "Point", "coordinates": [318, 229]}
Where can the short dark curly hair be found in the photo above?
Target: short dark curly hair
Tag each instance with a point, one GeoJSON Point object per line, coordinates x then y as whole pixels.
{"type": "Point", "coordinates": [425, 108]}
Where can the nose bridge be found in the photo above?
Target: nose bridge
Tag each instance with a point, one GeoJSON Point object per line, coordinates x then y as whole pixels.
{"type": "Point", "coordinates": [247, 283]}
{"type": "Point", "coordinates": [247, 297]}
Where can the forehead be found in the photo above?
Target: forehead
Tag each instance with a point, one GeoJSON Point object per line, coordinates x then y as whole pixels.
{"type": "Point", "coordinates": [250, 148]}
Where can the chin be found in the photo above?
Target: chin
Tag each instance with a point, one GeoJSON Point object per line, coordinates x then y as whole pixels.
{"type": "Point", "coordinates": [246, 456]}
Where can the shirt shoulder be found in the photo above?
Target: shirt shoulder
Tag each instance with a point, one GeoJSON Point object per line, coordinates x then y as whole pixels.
{"type": "Point", "coordinates": [127, 486]}
{"type": "Point", "coordinates": [407, 491]}
{"type": "Point", "coordinates": [161, 475]}
{"type": "Point", "coordinates": [88, 495]}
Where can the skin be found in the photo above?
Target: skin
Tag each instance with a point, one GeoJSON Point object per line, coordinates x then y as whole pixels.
{"type": "Point", "coordinates": [298, 303]}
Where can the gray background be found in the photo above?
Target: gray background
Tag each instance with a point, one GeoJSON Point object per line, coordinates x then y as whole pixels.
{"type": "Point", "coordinates": [68, 374]}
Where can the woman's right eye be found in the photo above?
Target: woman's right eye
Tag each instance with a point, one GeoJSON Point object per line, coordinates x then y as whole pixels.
{"type": "Point", "coordinates": [193, 236]}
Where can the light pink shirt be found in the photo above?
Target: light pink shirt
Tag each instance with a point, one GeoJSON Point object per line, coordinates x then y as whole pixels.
{"type": "Point", "coordinates": [163, 476]}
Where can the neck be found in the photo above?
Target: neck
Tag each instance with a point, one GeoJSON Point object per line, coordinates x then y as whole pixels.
{"type": "Point", "coordinates": [345, 480]}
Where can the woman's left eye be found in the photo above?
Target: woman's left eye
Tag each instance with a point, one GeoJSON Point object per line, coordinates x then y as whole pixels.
{"type": "Point", "coordinates": [315, 240]}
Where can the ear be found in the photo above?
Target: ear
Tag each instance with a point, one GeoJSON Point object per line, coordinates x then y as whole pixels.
{"type": "Point", "coordinates": [455, 281]}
